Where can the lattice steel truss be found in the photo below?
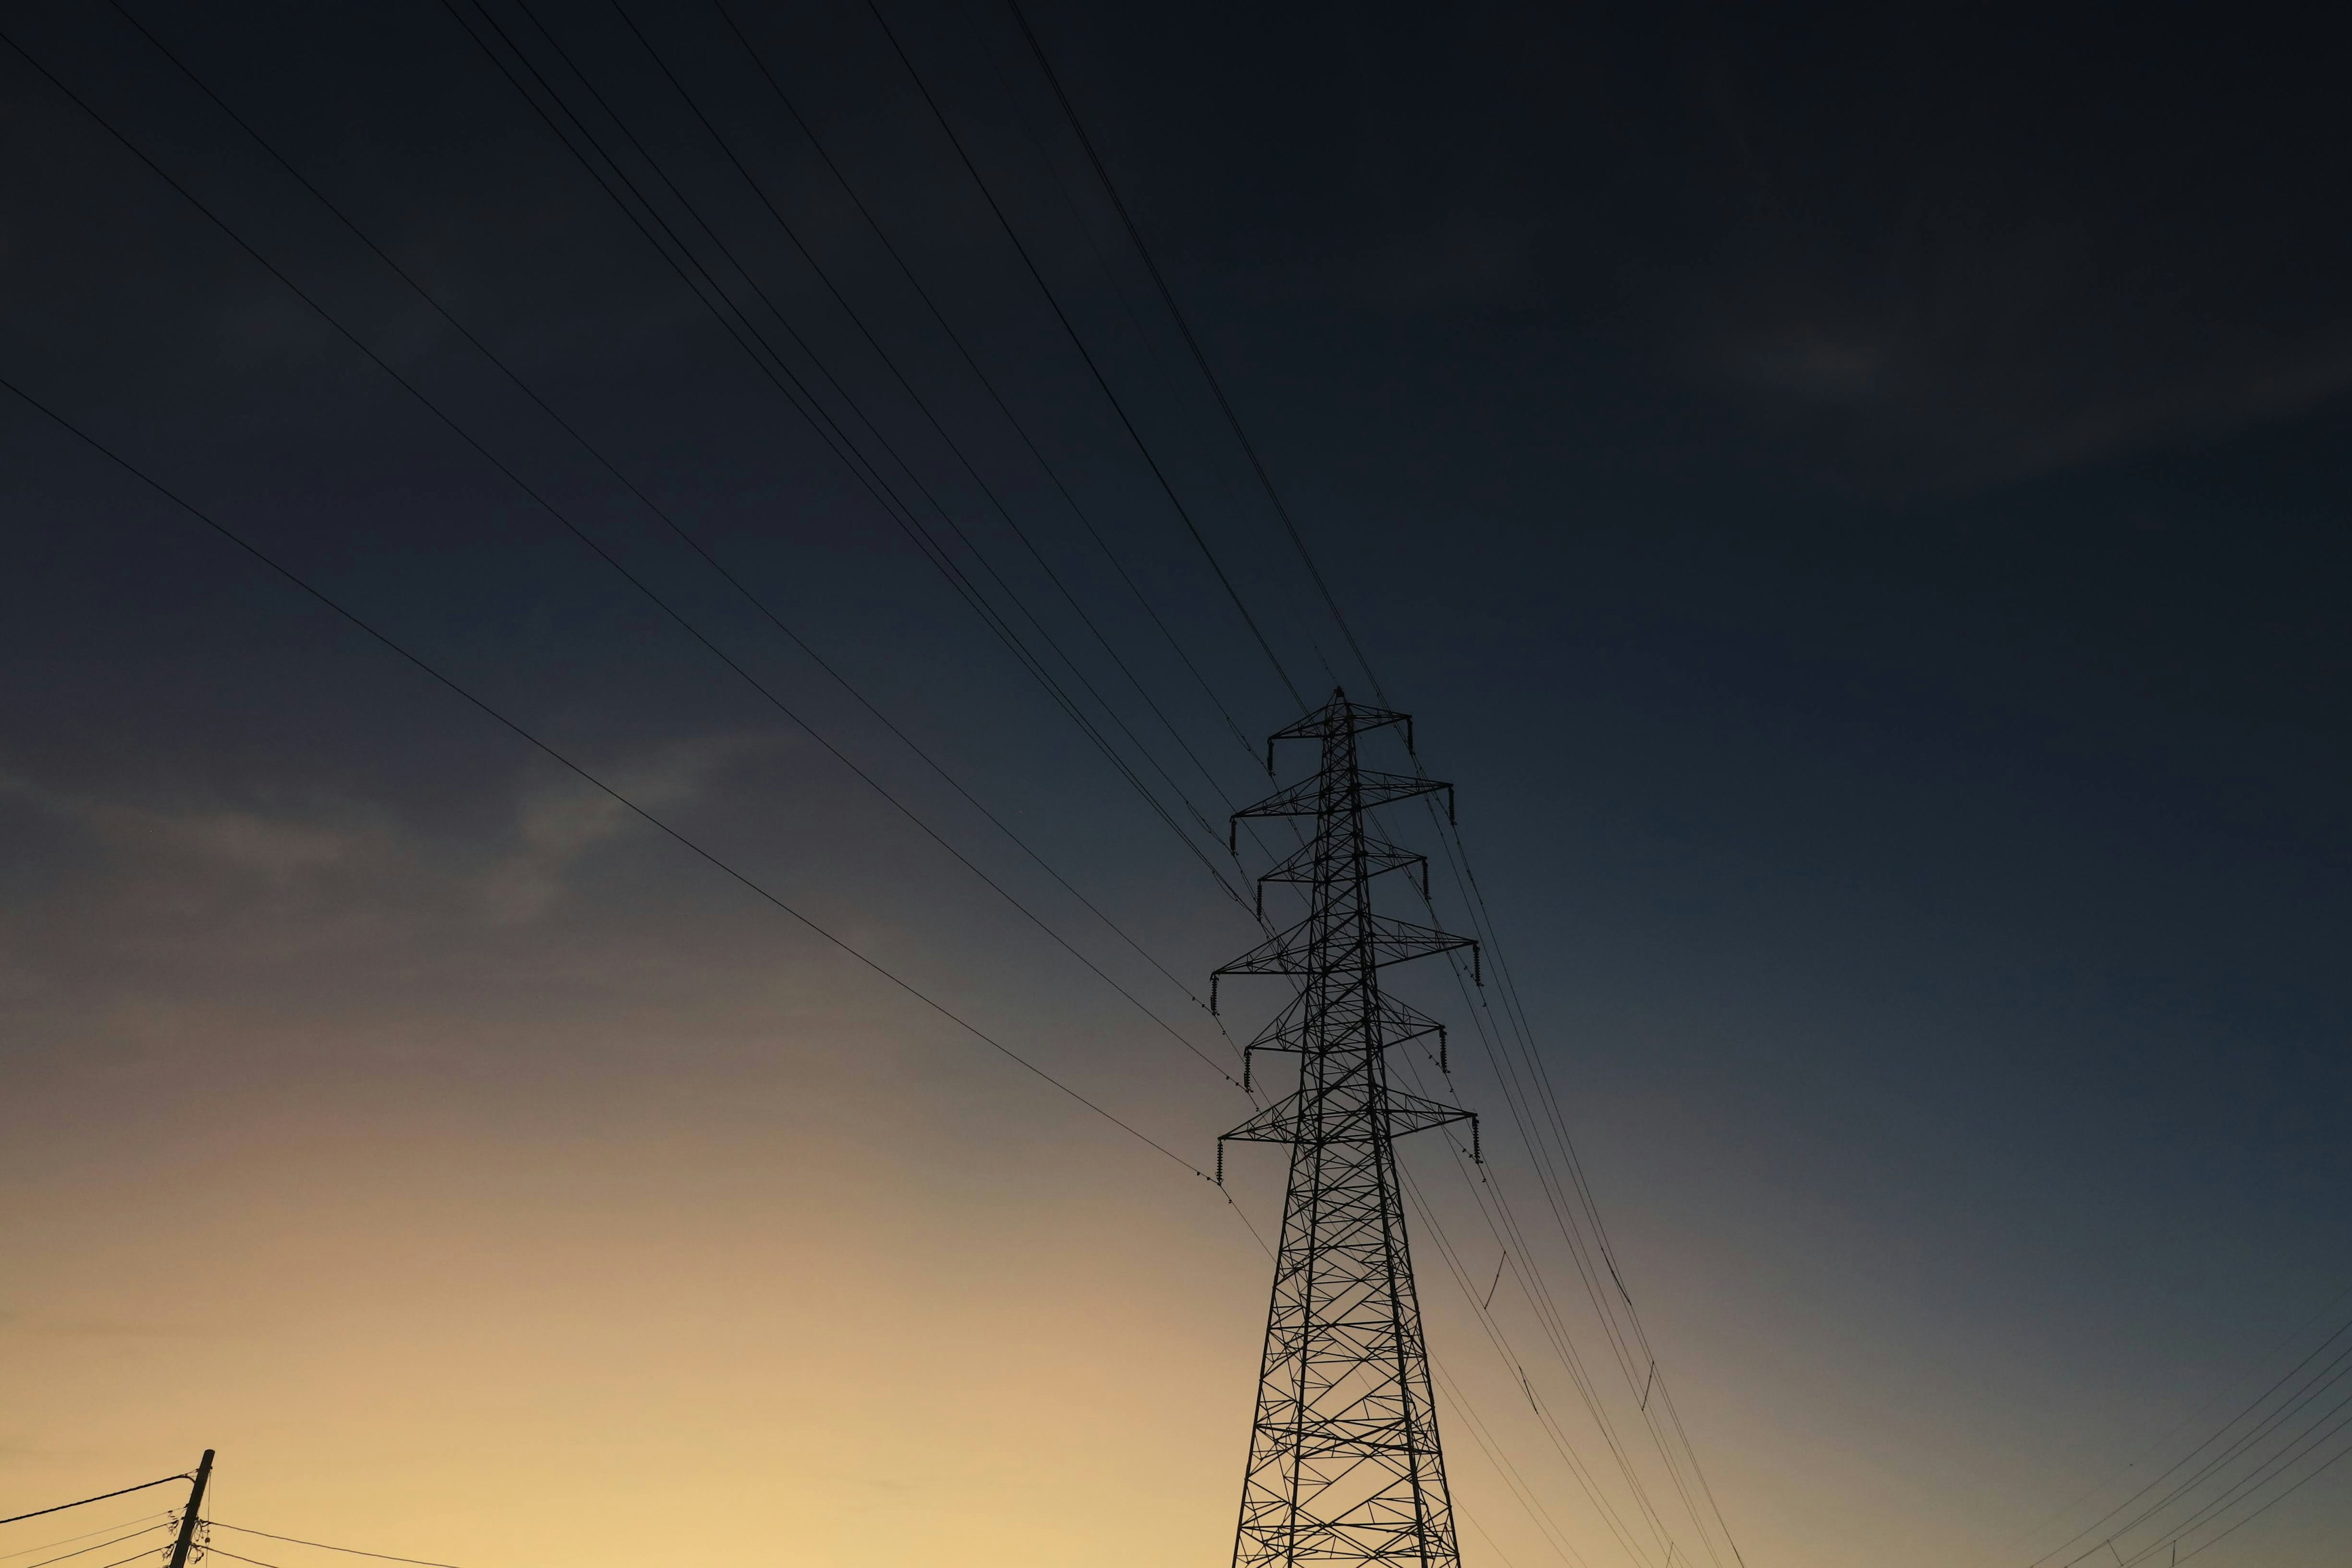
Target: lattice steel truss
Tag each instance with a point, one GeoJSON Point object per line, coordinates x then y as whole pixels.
{"type": "Point", "coordinates": [1344, 1464]}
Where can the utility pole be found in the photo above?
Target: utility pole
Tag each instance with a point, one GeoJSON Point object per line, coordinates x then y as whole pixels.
{"type": "Point", "coordinates": [1344, 1463]}
{"type": "Point", "coordinates": [188, 1519]}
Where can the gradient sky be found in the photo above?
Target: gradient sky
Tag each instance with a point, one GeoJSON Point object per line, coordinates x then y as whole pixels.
{"type": "Point", "coordinates": [1853, 497]}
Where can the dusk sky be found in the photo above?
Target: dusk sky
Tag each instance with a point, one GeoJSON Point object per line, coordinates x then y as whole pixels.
{"type": "Point", "coordinates": [1853, 497]}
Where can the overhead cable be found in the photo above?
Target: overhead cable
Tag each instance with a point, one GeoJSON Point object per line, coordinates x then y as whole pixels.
{"type": "Point", "coordinates": [2331, 1370]}
{"type": "Point", "coordinates": [1192, 342]}
{"type": "Point", "coordinates": [1475, 897]}
{"type": "Point", "coordinates": [85, 1535]}
{"type": "Point", "coordinates": [579, 771]}
{"type": "Point", "coordinates": [803, 401]}
{"type": "Point", "coordinates": [841, 391]}
{"type": "Point", "coordinates": [988, 383]}
{"type": "Point", "coordinates": [126, 1492]}
{"type": "Point", "coordinates": [1118, 407]}
{"type": "Point", "coordinates": [323, 1546]}
{"type": "Point", "coordinates": [922, 405]}
{"type": "Point", "coordinates": [678, 530]}
{"type": "Point", "coordinates": [635, 582]}
{"type": "Point", "coordinates": [102, 1545]}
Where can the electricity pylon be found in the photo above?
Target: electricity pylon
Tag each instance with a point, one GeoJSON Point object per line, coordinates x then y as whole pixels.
{"type": "Point", "coordinates": [1344, 1464]}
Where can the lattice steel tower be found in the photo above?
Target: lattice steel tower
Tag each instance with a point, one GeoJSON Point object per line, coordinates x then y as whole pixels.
{"type": "Point", "coordinates": [1344, 1465]}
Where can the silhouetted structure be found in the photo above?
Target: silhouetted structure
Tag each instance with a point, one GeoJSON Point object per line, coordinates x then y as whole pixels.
{"type": "Point", "coordinates": [192, 1514]}
{"type": "Point", "coordinates": [1344, 1464]}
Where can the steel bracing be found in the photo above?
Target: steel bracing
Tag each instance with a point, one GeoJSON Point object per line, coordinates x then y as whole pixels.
{"type": "Point", "coordinates": [1344, 1463]}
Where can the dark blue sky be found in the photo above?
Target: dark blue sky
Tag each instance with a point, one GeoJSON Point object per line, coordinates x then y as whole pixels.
{"type": "Point", "coordinates": [1854, 499]}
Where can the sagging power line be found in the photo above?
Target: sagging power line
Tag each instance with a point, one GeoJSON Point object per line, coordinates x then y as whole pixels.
{"type": "Point", "coordinates": [1511, 1005]}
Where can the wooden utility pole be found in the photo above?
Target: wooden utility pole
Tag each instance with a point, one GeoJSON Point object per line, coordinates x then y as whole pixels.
{"type": "Point", "coordinates": [188, 1519]}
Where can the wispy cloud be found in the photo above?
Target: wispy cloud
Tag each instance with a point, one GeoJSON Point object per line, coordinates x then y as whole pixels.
{"type": "Point", "coordinates": [1951, 313]}
{"type": "Point", "coordinates": [1952, 352]}
{"type": "Point", "coordinates": [556, 828]}
{"type": "Point", "coordinates": [319, 873]}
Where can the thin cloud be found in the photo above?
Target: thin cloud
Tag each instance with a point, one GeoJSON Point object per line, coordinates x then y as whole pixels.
{"type": "Point", "coordinates": [1951, 352]}
{"type": "Point", "coordinates": [324, 873]}
{"type": "Point", "coordinates": [557, 829]}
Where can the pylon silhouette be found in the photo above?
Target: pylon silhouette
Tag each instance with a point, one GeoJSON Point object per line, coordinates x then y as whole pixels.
{"type": "Point", "coordinates": [1344, 1462]}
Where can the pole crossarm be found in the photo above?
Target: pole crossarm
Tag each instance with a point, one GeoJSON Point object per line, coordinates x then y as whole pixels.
{"type": "Point", "coordinates": [1345, 1468]}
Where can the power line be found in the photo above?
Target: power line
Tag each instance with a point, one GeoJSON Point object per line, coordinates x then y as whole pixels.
{"type": "Point", "coordinates": [894, 505]}
{"type": "Point", "coordinates": [1511, 1360]}
{"type": "Point", "coordinates": [481, 704]}
{"type": "Point", "coordinates": [1061, 316]}
{"type": "Point", "coordinates": [2174, 1430]}
{"type": "Point", "coordinates": [802, 401]}
{"type": "Point", "coordinates": [668, 520]}
{"type": "Point", "coordinates": [2266, 1469]}
{"type": "Point", "coordinates": [531, 738]}
{"type": "Point", "coordinates": [841, 391]}
{"type": "Point", "coordinates": [1521, 1491]}
{"type": "Point", "coordinates": [2333, 1370]}
{"type": "Point", "coordinates": [1118, 407]}
{"type": "Point", "coordinates": [638, 583]}
{"type": "Point", "coordinates": [964, 352]}
{"type": "Point", "coordinates": [932, 550]}
{"type": "Point", "coordinates": [134, 1557]}
{"type": "Point", "coordinates": [2263, 1476]}
{"type": "Point", "coordinates": [829, 429]}
{"type": "Point", "coordinates": [2273, 1502]}
{"type": "Point", "coordinates": [102, 1545]}
{"type": "Point", "coordinates": [985, 47]}
{"type": "Point", "coordinates": [1192, 342]}
{"type": "Point", "coordinates": [1489, 1185]}
{"type": "Point", "coordinates": [257, 1563]}
{"type": "Point", "coordinates": [1504, 1227]}
{"type": "Point", "coordinates": [921, 403]}
{"type": "Point", "coordinates": [1472, 896]}
{"type": "Point", "coordinates": [1489, 1188]}
{"type": "Point", "coordinates": [1203, 546]}
{"type": "Point", "coordinates": [70, 1540]}
{"type": "Point", "coordinates": [142, 1486]}
{"type": "Point", "coordinates": [1561, 1175]}
{"type": "Point", "coordinates": [882, 354]}
{"type": "Point", "coordinates": [321, 1545]}
{"type": "Point", "coordinates": [502, 717]}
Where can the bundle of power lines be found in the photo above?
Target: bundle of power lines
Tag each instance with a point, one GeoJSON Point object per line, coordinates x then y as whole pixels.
{"type": "Point", "coordinates": [2295, 1430]}
{"type": "Point", "coordinates": [178, 1539]}
{"type": "Point", "coordinates": [1599, 1349]}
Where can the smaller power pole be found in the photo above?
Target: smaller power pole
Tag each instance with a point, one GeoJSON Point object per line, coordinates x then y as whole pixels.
{"type": "Point", "coordinates": [188, 1519]}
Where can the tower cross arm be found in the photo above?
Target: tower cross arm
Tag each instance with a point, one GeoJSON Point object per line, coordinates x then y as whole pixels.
{"type": "Point", "coordinates": [1298, 865]}
{"type": "Point", "coordinates": [1341, 716]}
{"type": "Point", "coordinates": [1305, 798]}
{"type": "Point", "coordinates": [1395, 941]}
{"type": "Point", "coordinates": [1298, 950]}
{"type": "Point", "coordinates": [1277, 1123]}
{"type": "Point", "coordinates": [1291, 1119]}
{"type": "Point", "coordinates": [1398, 1022]}
{"type": "Point", "coordinates": [1412, 1113]}
{"type": "Point", "coordinates": [1287, 952]}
